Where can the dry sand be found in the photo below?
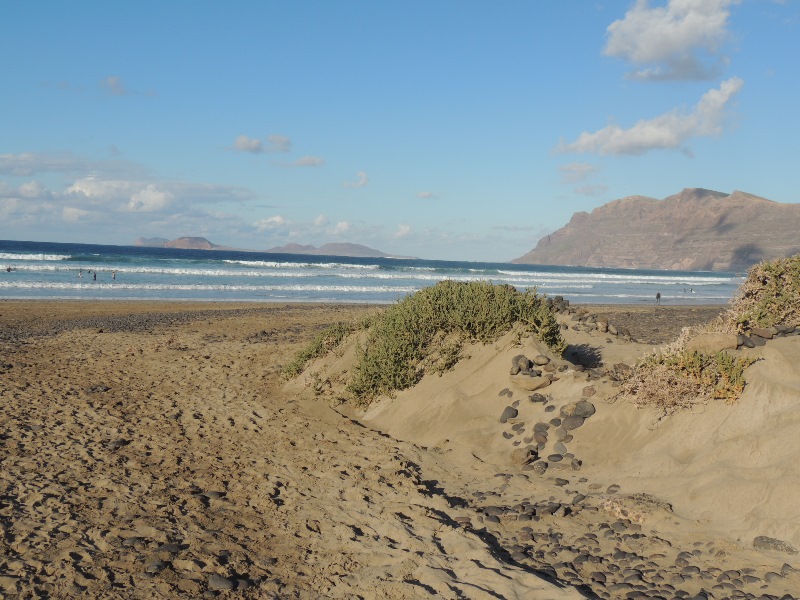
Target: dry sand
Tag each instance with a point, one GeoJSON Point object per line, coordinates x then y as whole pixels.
{"type": "Point", "coordinates": [152, 450]}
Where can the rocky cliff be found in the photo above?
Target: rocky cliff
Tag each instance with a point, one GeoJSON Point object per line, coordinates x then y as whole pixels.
{"type": "Point", "coordinates": [695, 230]}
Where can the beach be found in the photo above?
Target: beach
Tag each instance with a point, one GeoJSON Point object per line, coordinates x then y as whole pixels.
{"type": "Point", "coordinates": [152, 449]}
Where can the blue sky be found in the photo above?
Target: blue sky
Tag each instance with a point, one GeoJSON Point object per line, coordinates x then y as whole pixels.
{"type": "Point", "coordinates": [445, 130]}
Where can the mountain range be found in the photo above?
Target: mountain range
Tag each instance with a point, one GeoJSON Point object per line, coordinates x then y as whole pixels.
{"type": "Point", "coordinates": [694, 230]}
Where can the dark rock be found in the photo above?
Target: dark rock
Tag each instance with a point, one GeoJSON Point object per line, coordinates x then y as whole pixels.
{"type": "Point", "coordinates": [555, 458]}
{"type": "Point", "coordinates": [581, 408]}
{"type": "Point", "coordinates": [549, 408]}
{"type": "Point", "coordinates": [503, 392]}
{"type": "Point", "coordinates": [508, 413]}
{"type": "Point", "coordinates": [612, 489]}
{"type": "Point", "coordinates": [521, 361]}
{"type": "Point", "coordinates": [571, 423]}
{"type": "Point", "coordinates": [561, 482]}
{"type": "Point", "coordinates": [561, 434]}
{"type": "Point", "coordinates": [507, 435]}
{"type": "Point", "coordinates": [757, 340]}
{"type": "Point", "coordinates": [538, 398]}
{"type": "Point", "coordinates": [745, 341]}
{"type": "Point", "coordinates": [560, 448]}
{"type": "Point", "coordinates": [763, 542]}
{"type": "Point", "coordinates": [218, 582]}
{"type": "Point", "coordinates": [764, 332]}
{"type": "Point", "coordinates": [539, 467]}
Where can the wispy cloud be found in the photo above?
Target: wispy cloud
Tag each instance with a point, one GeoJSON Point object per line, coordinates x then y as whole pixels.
{"type": "Point", "coordinates": [360, 182]}
{"type": "Point", "coordinates": [275, 144]}
{"type": "Point", "coordinates": [321, 221]}
{"type": "Point", "coordinates": [575, 172]}
{"type": "Point", "coordinates": [342, 227]}
{"type": "Point", "coordinates": [279, 143]}
{"type": "Point", "coordinates": [309, 161]}
{"type": "Point", "coordinates": [427, 195]}
{"type": "Point", "coordinates": [668, 131]}
{"type": "Point", "coordinates": [114, 86]}
{"type": "Point", "coordinates": [270, 223]}
{"type": "Point", "coordinates": [403, 231]}
{"type": "Point", "coordinates": [245, 143]}
{"type": "Point", "coordinates": [592, 190]}
{"type": "Point", "coordinates": [668, 41]}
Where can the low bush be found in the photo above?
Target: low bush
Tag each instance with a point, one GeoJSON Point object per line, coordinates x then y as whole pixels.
{"type": "Point", "coordinates": [769, 296]}
{"type": "Point", "coordinates": [679, 379]}
{"type": "Point", "coordinates": [426, 331]}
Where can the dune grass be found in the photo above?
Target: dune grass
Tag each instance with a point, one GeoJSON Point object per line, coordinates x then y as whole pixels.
{"type": "Point", "coordinates": [426, 332]}
{"type": "Point", "coordinates": [673, 379]}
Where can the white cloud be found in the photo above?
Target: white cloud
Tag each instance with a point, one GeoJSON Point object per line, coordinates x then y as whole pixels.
{"type": "Point", "coordinates": [575, 172]}
{"type": "Point", "coordinates": [321, 221]}
{"type": "Point", "coordinates": [360, 182]}
{"type": "Point", "coordinates": [668, 131]}
{"type": "Point", "coordinates": [309, 161]}
{"type": "Point", "coordinates": [341, 228]}
{"type": "Point", "coordinates": [150, 199]}
{"type": "Point", "coordinates": [244, 143]}
{"type": "Point", "coordinates": [402, 231]}
{"type": "Point", "coordinates": [33, 189]}
{"type": "Point", "coordinates": [279, 143]}
{"type": "Point", "coordinates": [71, 214]}
{"type": "Point", "coordinates": [669, 38]}
{"type": "Point", "coordinates": [426, 195]}
{"type": "Point", "coordinates": [270, 223]}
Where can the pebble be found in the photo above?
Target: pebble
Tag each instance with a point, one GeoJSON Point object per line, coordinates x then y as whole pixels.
{"type": "Point", "coordinates": [571, 423]}
{"type": "Point", "coordinates": [508, 413]}
{"type": "Point", "coordinates": [218, 582]}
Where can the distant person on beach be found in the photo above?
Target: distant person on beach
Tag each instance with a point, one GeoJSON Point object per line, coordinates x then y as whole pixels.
{"type": "Point", "coordinates": [95, 276]}
{"type": "Point", "coordinates": [113, 275]}
{"type": "Point", "coordinates": [658, 297]}
{"type": "Point", "coordinates": [80, 273]}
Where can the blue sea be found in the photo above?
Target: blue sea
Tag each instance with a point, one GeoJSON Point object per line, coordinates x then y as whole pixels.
{"type": "Point", "coordinates": [40, 270]}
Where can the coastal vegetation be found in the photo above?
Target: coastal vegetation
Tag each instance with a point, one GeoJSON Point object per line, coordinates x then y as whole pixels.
{"type": "Point", "coordinates": [674, 377]}
{"type": "Point", "coordinates": [426, 332]}
{"type": "Point", "coordinates": [769, 296]}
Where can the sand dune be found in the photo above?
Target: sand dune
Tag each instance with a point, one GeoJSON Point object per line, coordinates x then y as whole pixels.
{"type": "Point", "coordinates": [164, 457]}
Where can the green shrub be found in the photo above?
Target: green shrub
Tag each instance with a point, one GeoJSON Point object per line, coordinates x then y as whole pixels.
{"type": "Point", "coordinates": [438, 320]}
{"type": "Point", "coordinates": [769, 296]}
{"type": "Point", "coordinates": [325, 341]}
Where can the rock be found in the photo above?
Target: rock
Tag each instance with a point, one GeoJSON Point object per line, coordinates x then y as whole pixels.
{"type": "Point", "coordinates": [503, 392]}
{"type": "Point", "coordinates": [762, 542]}
{"type": "Point", "coordinates": [540, 360]}
{"type": "Point", "coordinates": [560, 448]}
{"type": "Point", "coordinates": [218, 582]}
{"type": "Point", "coordinates": [711, 343]}
{"type": "Point", "coordinates": [602, 326]}
{"type": "Point", "coordinates": [612, 329]}
{"type": "Point", "coordinates": [581, 408]}
{"type": "Point", "coordinates": [758, 340]}
{"type": "Point", "coordinates": [745, 341]}
{"type": "Point", "coordinates": [765, 332]}
{"type": "Point", "coordinates": [523, 456]}
{"type": "Point", "coordinates": [521, 361]}
{"type": "Point", "coordinates": [538, 398]}
{"type": "Point", "coordinates": [529, 383]}
{"type": "Point", "coordinates": [561, 434]}
{"type": "Point", "coordinates": [589, 391]}
{"type": "Point", "coordinates": [555, 458]}
{"type": "Point", "coordinates": [509, 412]}
{"type": "Point", "coordinates": [571, 423]}
{"type": "Point", "coordinates": [539, 467]}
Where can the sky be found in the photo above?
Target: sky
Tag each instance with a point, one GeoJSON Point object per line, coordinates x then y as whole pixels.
{"type": "Point", "coordinates": [455, 130]}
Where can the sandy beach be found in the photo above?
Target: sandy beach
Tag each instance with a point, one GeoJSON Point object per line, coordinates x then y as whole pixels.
{"type": "Point", "coordinates": [152, 450]}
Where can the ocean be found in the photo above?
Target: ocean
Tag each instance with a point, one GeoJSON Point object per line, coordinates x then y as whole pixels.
{"type": "Point", "coordinates": [42, 270]}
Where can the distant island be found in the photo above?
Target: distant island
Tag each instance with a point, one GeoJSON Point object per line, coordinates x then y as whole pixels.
{"type": "Point", "coordinates": [185, 243]}
{"type": "Point", "coordinates": [333, 249]}
{"type": "Point", "coordinates": [694, 230]}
